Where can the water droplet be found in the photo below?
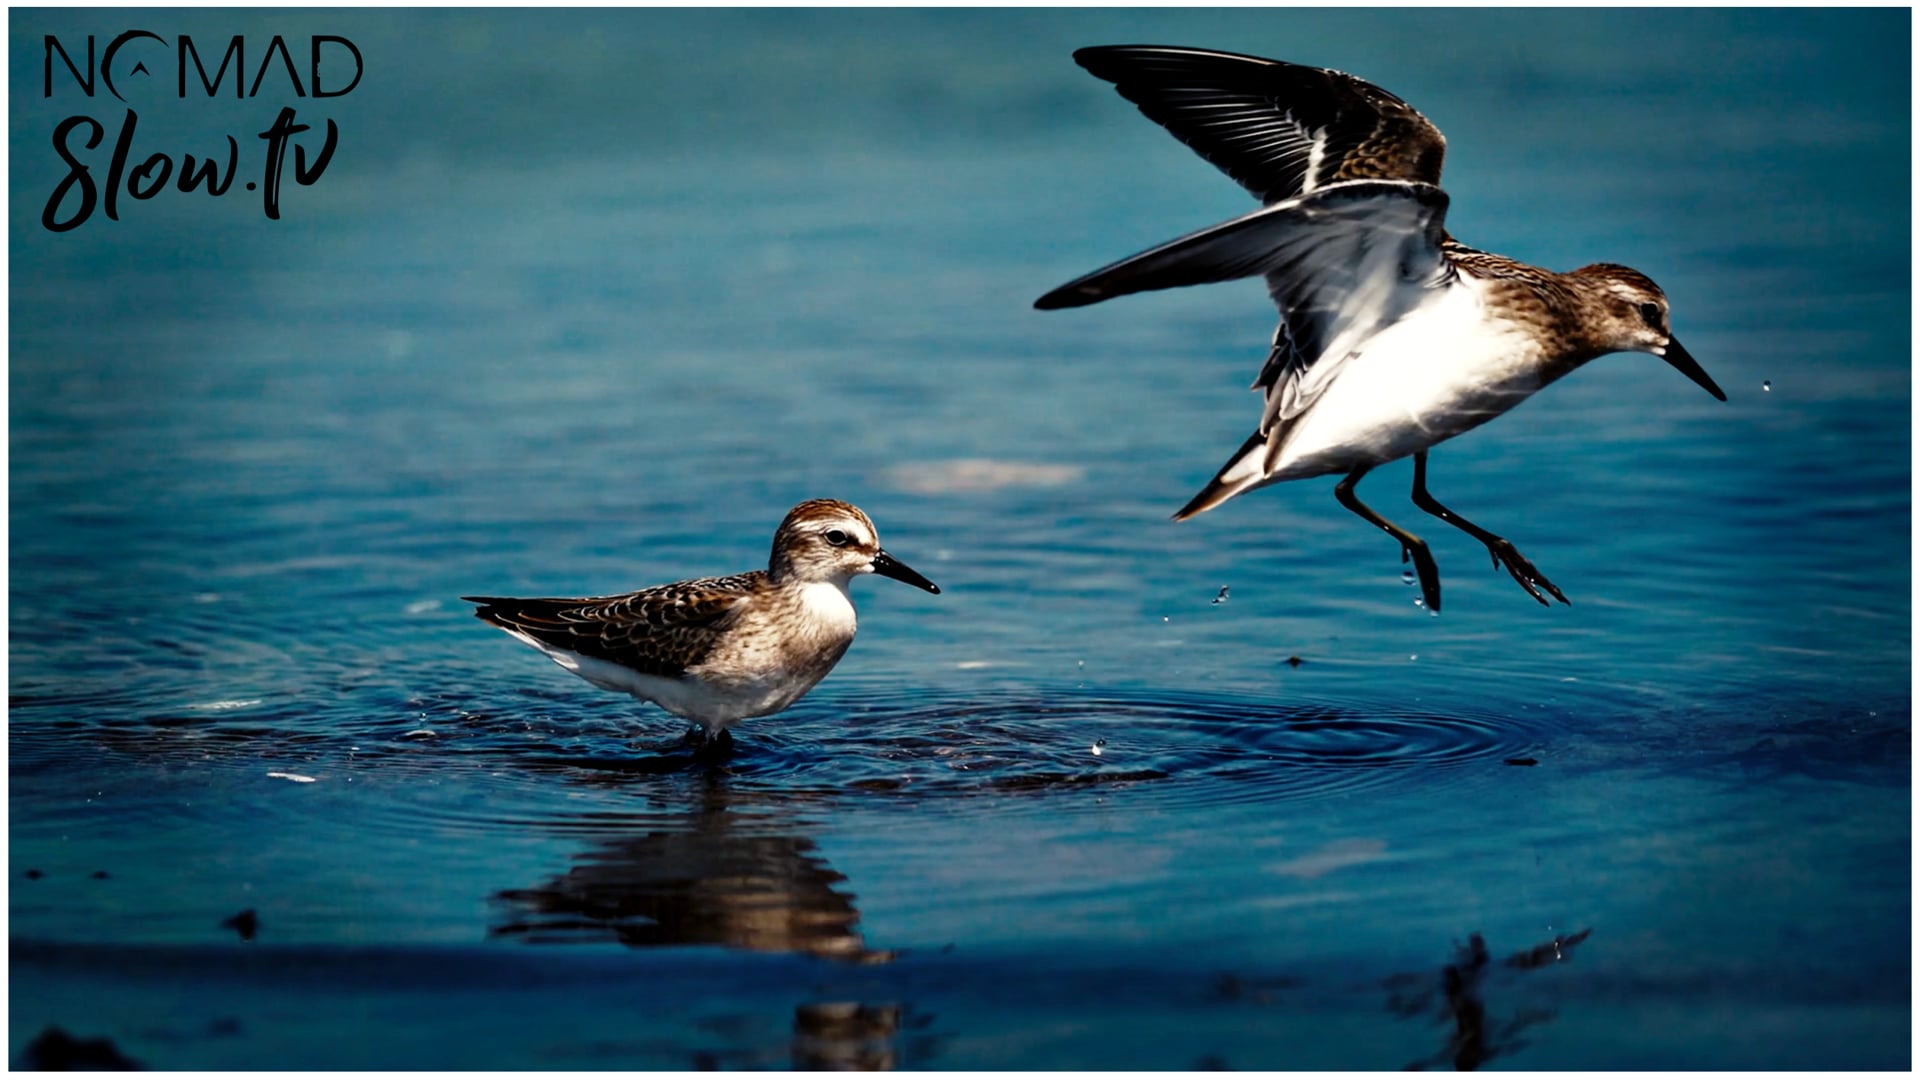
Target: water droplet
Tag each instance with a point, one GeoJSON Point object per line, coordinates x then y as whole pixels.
{"type": "Point", "coordinates": [1767, 385]}
{"type": "Point", "coordinates": [1163, 618]}
{"type": "Point", "coordinates": [1097, 744]}
{"type": "Point", "coordinates": [1222, 598]}
{"type": "Point", "coordinates": [1419, 601]}
{"type": "Point", "coordinates": [1406, 577]}
{"type": "Point", "coordinates": [1415, 656]}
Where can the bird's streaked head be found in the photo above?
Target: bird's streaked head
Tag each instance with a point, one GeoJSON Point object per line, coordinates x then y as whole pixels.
{"type": "Point", "coordinates": [829, 540]}
{"type": "Point", "coordinates": [1635, 319]}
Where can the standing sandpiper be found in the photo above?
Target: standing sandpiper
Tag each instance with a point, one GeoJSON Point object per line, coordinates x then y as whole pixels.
{"type": "Point", "coordinates": [717, 650]}
{"type": "Point", "coordinates": [1393, 336]}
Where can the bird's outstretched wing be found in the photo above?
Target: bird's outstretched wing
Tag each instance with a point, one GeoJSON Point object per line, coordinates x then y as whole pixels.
{"type": "Point", "coordinates": [1281, 130]}
{"type": "Point", "coordinates": [661, 631]}
{"type": "Point", "coordinates": [1341, 264]}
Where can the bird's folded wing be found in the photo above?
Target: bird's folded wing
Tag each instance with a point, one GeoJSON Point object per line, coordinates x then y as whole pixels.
{"type": "Point", "coordinates": [1279, 129]}
{"type": "Point", "coordinates": [661, 631]}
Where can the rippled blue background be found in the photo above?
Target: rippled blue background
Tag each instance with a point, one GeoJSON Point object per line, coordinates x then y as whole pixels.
{"type": "Point", "coordinates": [586, 300]}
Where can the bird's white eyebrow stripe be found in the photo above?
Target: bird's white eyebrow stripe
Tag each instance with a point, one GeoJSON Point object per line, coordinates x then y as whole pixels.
{"type": "Point", "coordinates": [855, 531]}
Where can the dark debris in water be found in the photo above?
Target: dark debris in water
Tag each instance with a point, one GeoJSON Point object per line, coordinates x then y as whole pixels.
{"type": "Point", "coordinates": [246, 924]}
{"type": "Point", "coordinates": [1523, 761]}
{"type": "Point", "coordinates": [1254, 989]}
{"type": "Point", "coordinates": [34, 875]}
{"type": "Point", "coordinates": [53, 1050]}
{"type": "Point", "coordinates": [1294, 661]}
{"type": "Point", "coordinates": [877, 783]}
{"type": "Point", "coordinates": [220, 1027]}
{"type": "Point", "coordinates": [1036, 781]}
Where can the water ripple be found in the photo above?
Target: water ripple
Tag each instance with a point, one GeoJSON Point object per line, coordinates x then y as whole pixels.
{"type": "Point", "coordinates": [1195, 749]}
{"type": "Point", "coordinates": [995, 747]}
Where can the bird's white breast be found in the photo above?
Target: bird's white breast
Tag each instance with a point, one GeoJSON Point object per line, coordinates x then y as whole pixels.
{"type": "Point", "coordinates": [829, 608]}
{"type": "Point", "coordinates": [778, 652]}
{"type": "Point", "coordinates": [1444, 369]}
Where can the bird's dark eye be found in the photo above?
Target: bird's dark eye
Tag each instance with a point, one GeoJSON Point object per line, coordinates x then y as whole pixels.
{"type": "Point", "coordinates": [836, 538]}
{"type": "Point", "coordinates": [1650, 314]}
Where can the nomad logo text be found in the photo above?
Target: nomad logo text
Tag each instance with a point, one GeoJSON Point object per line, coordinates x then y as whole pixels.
{"type": "Point", "coordinates": [137, 61]}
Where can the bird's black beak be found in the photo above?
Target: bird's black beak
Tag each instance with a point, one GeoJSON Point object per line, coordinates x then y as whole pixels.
{"type": "Point", "coordinates": [1685, 364]}
{"type": "Point", "coordinates": [887, 566]}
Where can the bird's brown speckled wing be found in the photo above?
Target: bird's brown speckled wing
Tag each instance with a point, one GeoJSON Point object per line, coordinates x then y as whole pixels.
{"type": "Point", "coordinates": [661, 631]}
{"type": "Point", "coordinates": [1281, 130]}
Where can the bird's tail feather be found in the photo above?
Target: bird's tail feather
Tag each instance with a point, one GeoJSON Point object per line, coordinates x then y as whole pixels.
{"type": "Point", "coordinates": [1244, 471]}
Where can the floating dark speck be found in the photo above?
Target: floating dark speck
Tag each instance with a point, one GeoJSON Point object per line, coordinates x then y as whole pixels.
{"type": "Point", "coordinates": [34, 875]}
{"type": "Point", "coordinates": [1294, 661]}
{"type": "Point", "coordinates": [246, 924]}
{"type": "Point", "coordinates": [1523, 761]}
{"type": "Point", "coordinates": [101, 875]}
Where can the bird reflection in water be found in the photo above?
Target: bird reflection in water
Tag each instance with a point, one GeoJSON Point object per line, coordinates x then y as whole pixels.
{"type": "Point", "coordinates": [737, 878]}
{"type": "Point", "coordinates": [1457, 996]}
{"type": "Point", "coordinates": [722, 876]}
{"type": "Point", "coordinates": [843, 1036]}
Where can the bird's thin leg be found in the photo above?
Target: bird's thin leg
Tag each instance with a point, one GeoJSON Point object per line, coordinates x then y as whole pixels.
{"type": "Point", "coordinates": [1502, 550]}
{"type": "Point", "coordinates": [715, 746]}
{"type": "Point", "coordinates": [1409, 543]}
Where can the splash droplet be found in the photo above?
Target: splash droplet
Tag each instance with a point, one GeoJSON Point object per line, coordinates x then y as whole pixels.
{"type": "Point", "coordinates": [1406, 577]}
{"type": "Point", "coordinates": [1419, 601]}
{"type": "Point", "coordinates": [1097, 744]}
{"type": "Point", "coordinates": [1766, 385]}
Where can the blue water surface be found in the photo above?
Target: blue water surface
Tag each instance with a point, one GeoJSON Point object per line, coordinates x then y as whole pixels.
{"type": "Point", "coordinates": [584, 301]}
